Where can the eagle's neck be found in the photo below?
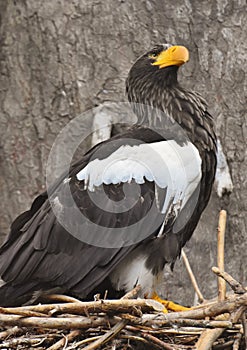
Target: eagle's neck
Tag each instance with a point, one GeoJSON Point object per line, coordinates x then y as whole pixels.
{"type": "Point", "coordinates": [164, 105]}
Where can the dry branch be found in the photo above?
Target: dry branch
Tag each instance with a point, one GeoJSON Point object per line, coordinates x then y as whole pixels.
{"type": "Point", "coordinates": [221, 253]}
{"type": "Point", "coordinates": [10, 332]}
{"type": "Point", "coordinates": [212, 310]}
{"type": "Point", "coordinates": [158, 342]}
{"type": "Point", "coordinates": [150, 320]}
{"type": "Point", "coordinates": [84, 308]}
{"type": "Point", "coordinates": [237, 341]}
{"type": "Point", "coordinates": [235, 285]}
{"type": "Point", "coordinates": [22, 312]}
{"type": "Point", "coordinates": [62, 342]}
{"type": "Point", "coordinates": [107, 336]}
{"type": "Point", "coordinates": [192, 277]}
{"type": "Point", "coordinates": [244, 323]}
{"type": "Point", "coordinates": [117, 328]}
{"type": "Point", "coordinates": [208, 337]}
{"type": "Point", "coordinates": [53, 322]}
{"type": "Point", "coordinates": [26, 342]}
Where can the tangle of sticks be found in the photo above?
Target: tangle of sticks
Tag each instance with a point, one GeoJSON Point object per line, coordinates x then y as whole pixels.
{"type": "Point", "coordinates": [133, 323]}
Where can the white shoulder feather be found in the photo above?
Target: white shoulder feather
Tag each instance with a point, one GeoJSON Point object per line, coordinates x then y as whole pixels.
{"type": "Point", "coordinates": [170, 165]}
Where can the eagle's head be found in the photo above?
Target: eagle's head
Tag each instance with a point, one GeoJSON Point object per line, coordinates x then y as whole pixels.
{"type": "Point", "coordinates": [158, 64]}
{"type": "Point", "coordinates": [162, 55]}
{"type": "Point", "coordinates": [152, 77]}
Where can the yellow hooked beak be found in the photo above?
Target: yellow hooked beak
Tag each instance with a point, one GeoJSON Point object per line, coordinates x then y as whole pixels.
{"type": "Point", "coordinates": [173, 56]}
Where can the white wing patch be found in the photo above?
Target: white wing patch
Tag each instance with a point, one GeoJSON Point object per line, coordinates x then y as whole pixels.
{"type": "Point", "coordinates": [223, 179]}
{"type": "Point", "coordinates": [169, 165]}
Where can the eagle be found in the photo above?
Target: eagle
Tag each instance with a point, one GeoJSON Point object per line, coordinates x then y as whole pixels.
{"type": "Point", "coordinates": [127, 207]}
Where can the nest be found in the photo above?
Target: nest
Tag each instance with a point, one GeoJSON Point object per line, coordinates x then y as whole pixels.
{"type": "Point", "coordinates": [132, 323]}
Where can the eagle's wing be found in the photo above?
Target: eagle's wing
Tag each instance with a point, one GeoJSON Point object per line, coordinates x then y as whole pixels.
{"type": "Point", "coordinates": [115, 197]}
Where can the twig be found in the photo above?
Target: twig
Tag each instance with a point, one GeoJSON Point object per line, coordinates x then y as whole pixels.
{"type": "Point", "coordinates": [107, 336]}
{"type": "Point", "coordinates": [82, 342]}
{"type": "Point", "coordinates": [223, 346]}
{"type": "Point", "coordinates": [117, 328]}
{"type": "Point", "coordinates": [192, 277]}
{"type": "Point", "coordinates": [160, 321]}
{"type": "Point", "coordinates": [21, 311]}
{"type": "Point", "coordinates": [10, 332]}
{"type": "Point", "coordinates": [212, 310]}
{"type": "Point", "coordinates": [67, 338]}
{"type": "Point", "coordinates": [237, 341]}
{"type": "Point", "coordinates": [133, 293]}
{"type": "Point", "coordinates": [62, 298]}
{"type": "Point", "coordinates": [134, 337]}
{"type": "Point", "coordinates": [230, 296]}
{"type": "Point", "coordinates": [239, 314]}
{"type": "Point", "coordinates": [183, 323]}
{"type": "Point", "coordinates": [244, 323]}
{"type": "Point", "coordinates": [235, 285]}
{"type": "Point", "coordinates": [15, 342]}
{"type": "Point", "coordinates": [116, 306]}
{"type": "Point", "coordinates": [221, 254]}
{"type": "Point", "coordinates": [208, 337]}
{"type": "Point", "coordinates": [158, 342]}
{"type": "Point", "coordinates": [52, 322]}
{"type": "Point", "coordinates": [236, 315]}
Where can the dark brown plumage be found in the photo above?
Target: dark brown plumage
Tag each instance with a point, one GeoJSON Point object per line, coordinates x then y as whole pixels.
{"type": "Point", "coordinates": [40, 254]}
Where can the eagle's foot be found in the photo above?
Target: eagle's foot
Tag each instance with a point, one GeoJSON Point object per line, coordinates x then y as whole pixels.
{"type": "Point", "coordinates": [169, 305]}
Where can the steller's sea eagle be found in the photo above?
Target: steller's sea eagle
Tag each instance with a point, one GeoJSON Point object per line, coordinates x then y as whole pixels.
{"type": "Point", "coordinates": [139, 195]}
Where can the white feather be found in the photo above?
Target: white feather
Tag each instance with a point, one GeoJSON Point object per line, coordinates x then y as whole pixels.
{"type": "Point", "coordinates": [223, 179]}
{"type": "Point", "coordinates": [132, 271]}
{"type": "Point", "coordinates": [2, 283]}
{"type": "Point", "coordinates": [171, 166]}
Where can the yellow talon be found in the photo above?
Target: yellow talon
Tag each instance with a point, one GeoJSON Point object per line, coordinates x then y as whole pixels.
{"type": "Point", "coordinates": [169, 305]}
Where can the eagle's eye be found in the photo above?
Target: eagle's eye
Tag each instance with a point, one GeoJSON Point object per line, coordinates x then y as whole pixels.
{"type": "Point", "coordinates": [153, 55]}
